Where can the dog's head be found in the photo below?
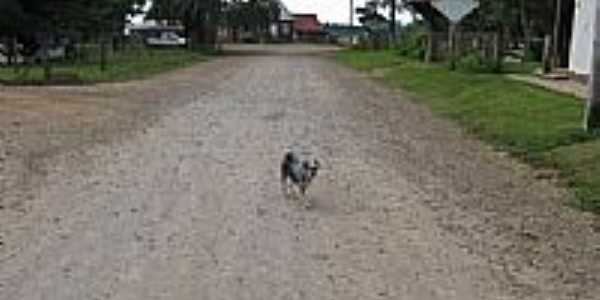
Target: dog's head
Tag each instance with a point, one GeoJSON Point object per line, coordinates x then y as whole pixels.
{"type": "Point", "coordinates": [314, 168]}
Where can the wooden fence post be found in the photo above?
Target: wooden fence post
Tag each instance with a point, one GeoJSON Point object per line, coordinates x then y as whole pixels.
{"type": "Point", "coordinates": [547, 56]}
{"type": "Point", "coordinates": [429, 46]}
{"type": "Point", "coordinates": [102, 53]}
{"type": "Point", "coordinates": [452, 46]}
{"type": "Point", "coordinates": [45, 56]}
{"type": "Point", "coordinates": [497, 50]}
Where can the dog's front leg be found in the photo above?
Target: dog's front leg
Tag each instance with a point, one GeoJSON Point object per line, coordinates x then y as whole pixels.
{"type": "Point", "coordinates": [305, 201]}
{"type": "Point", "coordinates": [285, 188]}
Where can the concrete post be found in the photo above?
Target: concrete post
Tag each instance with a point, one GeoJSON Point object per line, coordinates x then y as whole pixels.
{"type": "Point", "coordinates": [592, 112]}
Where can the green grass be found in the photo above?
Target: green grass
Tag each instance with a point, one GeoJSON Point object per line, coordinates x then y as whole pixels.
{"type": "Point", "coordinates": [122, 66]}
{"type": "Point", "coordinates": [580, 166]}
{"type": "Point", "coordinates": [369, 60]}
{"type": "Point", "coordinates": [539, 126]}
{"type": "Point", "coordinates": [521, 68]}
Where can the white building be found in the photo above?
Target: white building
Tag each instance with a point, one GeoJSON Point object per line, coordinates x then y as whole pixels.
{"type": "Point", "coordinates": [282, 30]}
{"type": "Point", "coordinates": [582, 41]}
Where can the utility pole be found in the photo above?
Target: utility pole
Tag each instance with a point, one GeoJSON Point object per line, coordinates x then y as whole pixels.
{"type": "Point", "coordinates": [592, 112]}
{"type": "Point", "coordinates": [351, 12]}
{"type": "Point", "coordinates": [393, 21]}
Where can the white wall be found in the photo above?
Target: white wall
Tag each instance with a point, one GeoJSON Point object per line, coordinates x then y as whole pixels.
{"type": "Point", "coordinates": [581, 46]}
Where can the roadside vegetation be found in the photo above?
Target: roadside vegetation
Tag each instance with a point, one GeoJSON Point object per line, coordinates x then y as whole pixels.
{"type": "Point", "coordinates": [124, 65]}
{"type": "Point", "coordinates": [465, 80]}
{"type": "Point", "coordinates": [83, 41]}
{"type": "Point", "coordinates": [538, 126]}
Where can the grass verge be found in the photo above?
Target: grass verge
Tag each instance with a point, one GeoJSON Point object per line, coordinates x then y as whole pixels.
{"type": "Point", "coordinates": [538, 126]}
{"type": "Point", "coordinates": [126, 65]}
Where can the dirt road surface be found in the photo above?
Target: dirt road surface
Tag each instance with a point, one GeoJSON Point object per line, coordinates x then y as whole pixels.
{"type": "Point", "coordinates": [168, 189]}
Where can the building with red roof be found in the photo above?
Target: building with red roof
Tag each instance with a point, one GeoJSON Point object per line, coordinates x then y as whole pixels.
{"type": "Point", "coordinates": [308, 28]}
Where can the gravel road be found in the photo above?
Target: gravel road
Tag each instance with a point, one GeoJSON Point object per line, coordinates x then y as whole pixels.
{"type": "Point", "coordinates": [182, 199]}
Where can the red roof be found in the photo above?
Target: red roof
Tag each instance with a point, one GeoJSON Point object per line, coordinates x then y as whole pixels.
{"type": "Point", "coordinates": [307, 23]}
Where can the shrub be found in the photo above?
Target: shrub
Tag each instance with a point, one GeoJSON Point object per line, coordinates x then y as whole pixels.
{"type": "Point", "coordinates": [412, 41]}
{"type": "Point", "coordinates": [473, 62]}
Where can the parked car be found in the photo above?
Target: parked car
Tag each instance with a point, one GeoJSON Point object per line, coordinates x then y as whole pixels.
{"type": "Point", "coordinates": [249, 37]}
{"type": "Point", "coordinates": [4, 50]}
{"type": "Point", "coordinates": [55, 52]}
{"type": "Point", "coordinates": [166, 39]}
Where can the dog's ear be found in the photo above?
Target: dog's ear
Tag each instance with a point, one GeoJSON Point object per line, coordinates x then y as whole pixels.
{"type": "Point", "coordinates": [316, 164]}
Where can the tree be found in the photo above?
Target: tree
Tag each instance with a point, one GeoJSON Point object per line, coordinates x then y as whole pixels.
{"type": "Point", "coordinates": [36, 24]}
{"type": "Point", "coordinates": [376, 24]}
{"type": "Point", "coordinates": [525, 27]}
{"type": "Point", "coordinates": [10, 24]}
{"type": "Point", "coordinates": [513, 22]}
{"type": "Point", "coordinates": [521, 20]}
{"type": "Point", "coordinates": [255, 15]}
{"type": "Point", "coordinates": [499, 16]}
{"type": "Point", "coordinates": [393, 8]}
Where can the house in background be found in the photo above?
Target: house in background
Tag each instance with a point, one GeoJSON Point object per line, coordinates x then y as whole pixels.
{"type": "Point", "coordinates": [307, 28]}
{"type": "Point", "coordinates": [283, 29]}
{"type": "Point", "coordinates": [288, 27]}
{"type": "Point", "coordinates": [580, 60]}
{"type": "Point", "coordinates": [344, 34]}
{"type": "Point", "coordinates": [246, 31]}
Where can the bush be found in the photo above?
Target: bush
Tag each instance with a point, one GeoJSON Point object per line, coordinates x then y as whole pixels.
{"type": "Point", "coordinates": [412, 41]}
{"type": "Point", "coordinates": [473, 62]}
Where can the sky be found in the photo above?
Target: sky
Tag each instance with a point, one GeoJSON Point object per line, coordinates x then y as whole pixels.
{"type": "Point", "coordinates": [333, 11]}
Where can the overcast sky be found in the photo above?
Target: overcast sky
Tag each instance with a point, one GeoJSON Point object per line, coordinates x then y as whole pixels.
{"type": "Point", "coordinates": [337, 11]}
{"type": "Point", "coordinates": [333, 11]}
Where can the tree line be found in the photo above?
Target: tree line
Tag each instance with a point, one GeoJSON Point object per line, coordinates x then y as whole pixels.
{"type": "Point", "coordinates": [201, 19]}
{"type": "Point", "coordinates": [34, 23]}
{"type": "Point", "coordinates": [31, 26]}
{"type": "Point", "coordinates": [513, 21]}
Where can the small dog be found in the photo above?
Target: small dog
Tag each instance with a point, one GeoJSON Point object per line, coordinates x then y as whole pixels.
{"type": "Point", "coordinates": [299, 172]}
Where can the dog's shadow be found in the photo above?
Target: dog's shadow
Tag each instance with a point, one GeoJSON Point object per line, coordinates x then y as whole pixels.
{"type": "Point", "coordinates": [319, 199]}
